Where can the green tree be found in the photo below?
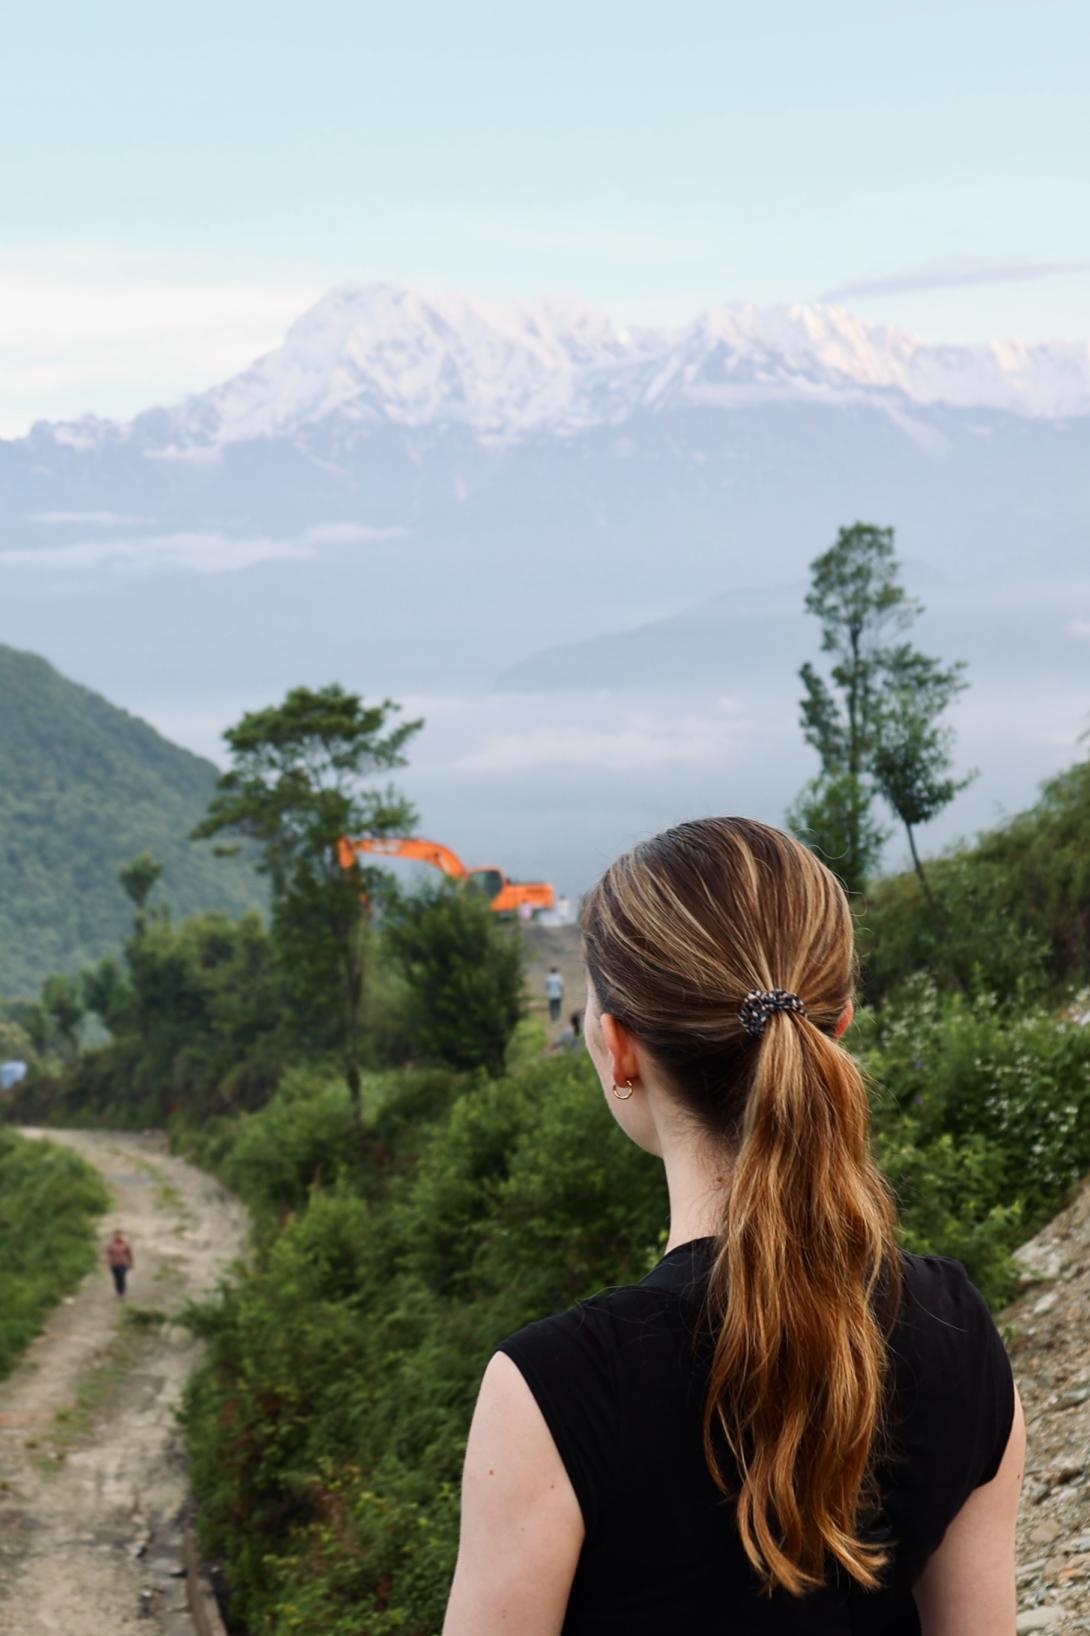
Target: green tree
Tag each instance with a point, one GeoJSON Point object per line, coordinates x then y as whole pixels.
{"type": "Point", "coordinates": [912, 759]}
{"type": "Point", "coordinates": [464, 971]}
{"type": "Point", "coordinates": [138, 877]}
{"type": "Point", "coordinates": [825, 814]}
{"type": "Point", "coordinates": [856, 595]}
{"type": "Point", "coordinates": [299, 782]}
{"type": "Point", "coordinates": [63, 1008]}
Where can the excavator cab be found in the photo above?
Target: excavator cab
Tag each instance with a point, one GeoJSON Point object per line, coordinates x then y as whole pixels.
{"type": "Point", "coordinates": [489, 881]}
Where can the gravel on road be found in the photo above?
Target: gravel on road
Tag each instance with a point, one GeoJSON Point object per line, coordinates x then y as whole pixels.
{"type": "Point", "coordinates": [93, 1485]}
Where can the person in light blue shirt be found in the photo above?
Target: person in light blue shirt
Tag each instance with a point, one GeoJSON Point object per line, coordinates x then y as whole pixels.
{"type": "Point", "coordinates": [554, 993]}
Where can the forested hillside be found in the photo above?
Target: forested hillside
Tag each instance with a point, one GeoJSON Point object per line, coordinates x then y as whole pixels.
{"type": "Point", "coordinates": [83, 787]}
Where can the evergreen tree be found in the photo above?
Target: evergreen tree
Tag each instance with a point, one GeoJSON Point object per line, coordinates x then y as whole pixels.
{"type": "Point", "coordinates": [876, 719]}
{"type": "Point", "coordinates": [300, 781]}
{"type": "Point", "coordinates": [464, 971]}
{"type": "Point", "coordinates": [912, 758]}
{"type": "Point", "coordinates": [856, 595]}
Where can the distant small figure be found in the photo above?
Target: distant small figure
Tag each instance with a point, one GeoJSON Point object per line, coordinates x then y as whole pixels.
{"type": "Point", "coordinates": [572, 1037]}
{"type": "Point", "coordinates": [554, 990]}
{"type": "Point", "coordinates": [526, 913]}
{"type": "Point", "coordinates": [119, 1259]}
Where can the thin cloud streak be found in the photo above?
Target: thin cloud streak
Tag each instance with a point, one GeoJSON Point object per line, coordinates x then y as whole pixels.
{"type": "Point", "coordinates": [952, 279]}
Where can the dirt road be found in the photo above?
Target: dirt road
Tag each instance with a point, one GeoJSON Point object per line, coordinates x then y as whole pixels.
{"type": "Point", "coordinates": [92, 1475]}
{"type": "Point", "coordinates": [547, 946]}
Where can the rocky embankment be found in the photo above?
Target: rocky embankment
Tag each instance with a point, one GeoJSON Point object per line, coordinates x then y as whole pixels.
{"type": "Point", "coordinates": [1048, 1330]}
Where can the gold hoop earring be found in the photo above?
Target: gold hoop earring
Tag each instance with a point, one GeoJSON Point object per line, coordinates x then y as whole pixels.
{"type": "Point", "coordinates": [617, 1091]}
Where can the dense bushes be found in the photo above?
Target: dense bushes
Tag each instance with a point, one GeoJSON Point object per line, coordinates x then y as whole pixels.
{"type": "Point", "coordinates": [1015, 905]}
{"type": "Point", "coordinates": [49, 1198]}
{"type": "Point", "coordinates": [328, 1424]}
{"type": "Point", "coordinates": [463, 974]}
{"type": "Point", "coordinates": [200, 1018]}
{"type": "Point", "coordinates": [981, 1119]}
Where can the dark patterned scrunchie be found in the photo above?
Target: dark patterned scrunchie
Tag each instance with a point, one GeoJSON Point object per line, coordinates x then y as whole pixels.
{"type": "Point", "coordinates": [759, 1005]}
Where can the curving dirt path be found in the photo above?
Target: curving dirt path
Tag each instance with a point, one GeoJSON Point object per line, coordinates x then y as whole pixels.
{"type": "Point", "coordinates": [92, 1471]}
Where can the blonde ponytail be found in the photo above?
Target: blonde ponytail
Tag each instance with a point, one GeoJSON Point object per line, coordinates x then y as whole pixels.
{"type": "Point", "coordinates": [806, 1274]}
{"type": "Point", "coordinates": [799, 1368]}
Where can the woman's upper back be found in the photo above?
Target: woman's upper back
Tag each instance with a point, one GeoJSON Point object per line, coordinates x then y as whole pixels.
{"type": "Point", "coordinates": [621, 1381]}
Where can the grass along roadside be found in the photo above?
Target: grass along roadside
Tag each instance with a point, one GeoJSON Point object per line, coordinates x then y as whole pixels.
{"type": "Point", "coordinates": [50, 1202]}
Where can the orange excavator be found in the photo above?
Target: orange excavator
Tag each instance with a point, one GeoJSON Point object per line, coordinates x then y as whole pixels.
{"type": "Point", "coordinates": [506, 897]}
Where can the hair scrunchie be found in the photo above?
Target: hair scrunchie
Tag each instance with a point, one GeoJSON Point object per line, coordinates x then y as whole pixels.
{"type": "Point", "coordinates": [759, 1004]}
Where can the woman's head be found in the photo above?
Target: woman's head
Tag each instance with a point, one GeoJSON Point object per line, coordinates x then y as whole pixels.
{"type": "Point", "coordinates": [677, 934]}
{"type": "Point", "coordinates": [681, 929]}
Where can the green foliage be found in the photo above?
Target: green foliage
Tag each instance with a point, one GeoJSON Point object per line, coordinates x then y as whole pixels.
{"type": "Point", "coordinates": [16, 1044]}
{"type": "Point", "coordinates": [328, 1425]}
{"type": "Point", "coordinates": [982, 1119]}
{"type": "Point", "coordinates": [876, 720]}
{"type": "Point", "coordinates": [855, 595]}
{"type": "Point", "coordinates": [830, 818]}
{"type": "Point", "coordinates": [84, 787]}
{"type": "Point", "coordinates": [297, 787]}
{"type": "Point", "coordinates": [49, 1199]}
{"type": "Point", "coordinates": [63, 1010]}
{"type": "Point", "coordinates": [139, 877]}
{"type": "Point", "coordinates": [1016, 905]}
{"type": "Point", "coordinates": [463, 969]}
{"type": "Point", "coordinates": [194, 1023]}
{"type": "Point", "coordinates": [912, 754]}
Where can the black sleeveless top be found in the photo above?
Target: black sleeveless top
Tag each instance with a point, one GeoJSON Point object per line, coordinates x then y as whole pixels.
{"type": "Point", "coordinates": [622, 1393]}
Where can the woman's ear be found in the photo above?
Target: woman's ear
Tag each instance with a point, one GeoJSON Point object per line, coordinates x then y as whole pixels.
{"type": "Point", "coordinates": [845, 1021]}
{"type": "Point", "coordinates": [621, 1045]}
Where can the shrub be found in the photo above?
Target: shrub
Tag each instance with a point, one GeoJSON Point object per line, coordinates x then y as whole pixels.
{"type": "Point", "coordinates": [463, 971]}
{"type": "Point", "coordinates": [49, 1199]}
{"type": "Point", "coordinates": [982, 1119]}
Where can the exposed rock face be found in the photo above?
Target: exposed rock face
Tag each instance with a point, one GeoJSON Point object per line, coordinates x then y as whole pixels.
{"type": "Point", "coordinates": [1048, 1329]}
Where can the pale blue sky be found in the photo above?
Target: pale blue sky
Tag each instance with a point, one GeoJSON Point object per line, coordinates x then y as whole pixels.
{"type": "Point", "coordinates": [177, 181]}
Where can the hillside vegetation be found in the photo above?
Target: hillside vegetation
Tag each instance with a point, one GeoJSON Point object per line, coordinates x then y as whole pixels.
{"type": "Point", "coordinates": [49, 1201]}
{"type": "Point", "coordinates": [83, 787]}
{"type": "Point", "coordinates": [1014, 905]}
{"type": "Point", "coordinates": [430, 1191]}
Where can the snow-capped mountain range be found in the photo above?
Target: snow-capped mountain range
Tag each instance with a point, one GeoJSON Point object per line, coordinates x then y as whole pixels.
{"type": "Point", "coordinates": [381, 356]}
{"type": "Point", "coordinates": [423, 496]}
{"type": "Point", "coordinates": [526, 464]}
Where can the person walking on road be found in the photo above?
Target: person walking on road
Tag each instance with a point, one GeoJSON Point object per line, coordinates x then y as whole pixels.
{"type": "Point", "coordinates": [119, 1259]}
{"type": "Point", "coordinates": [554, 991]}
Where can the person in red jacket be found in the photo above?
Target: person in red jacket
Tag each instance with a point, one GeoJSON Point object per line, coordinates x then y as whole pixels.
{"type": "Point", "coordinates": [119, 1259]}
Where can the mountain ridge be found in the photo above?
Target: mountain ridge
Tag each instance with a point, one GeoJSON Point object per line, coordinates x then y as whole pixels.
{"type": "Point", "coordinates": [84, 786]}
{"type": "Point", "coordinates": [384, 355]}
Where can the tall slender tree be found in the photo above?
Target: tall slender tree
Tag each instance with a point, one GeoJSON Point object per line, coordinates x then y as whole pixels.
{"type": "Point", "coordinates": [876, 718]}
{"type": "Point", "coordinates": [301, 778]}
{"type": "Point", "coordinates": [912, 759]}
{"type": "Point", "coordinates": [856, 595]}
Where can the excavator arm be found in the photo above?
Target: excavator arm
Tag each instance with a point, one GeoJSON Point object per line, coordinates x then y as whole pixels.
{"type": "Point", "coordinates": [389, 846]}
{"type": "Point", "coordinates": [505, 896]}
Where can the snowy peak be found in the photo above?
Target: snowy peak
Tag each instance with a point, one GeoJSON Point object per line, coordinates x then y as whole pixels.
{"type": "Point", "coordinates": [739, 353]}
{"type": "Point", "coordinates": [381, 353]}
{"type": "Point", "coordinates": [373, 355]}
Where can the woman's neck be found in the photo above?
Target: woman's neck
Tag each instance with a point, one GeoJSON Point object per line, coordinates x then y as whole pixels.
{"type": "Point", "coordinates": [697, 1175]}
